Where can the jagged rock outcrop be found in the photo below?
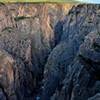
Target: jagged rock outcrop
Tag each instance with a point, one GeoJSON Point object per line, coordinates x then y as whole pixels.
{"type": "Point", "coordinates": [6, 19]}
{"type": "Point", "coordinates": [19, 46]}
{"type": "Point", "coordinates": [7, 91]}
{"type": "Point", "coordinates": [83, 79]}
{"type": "Point", "coordinates": [80, 21]}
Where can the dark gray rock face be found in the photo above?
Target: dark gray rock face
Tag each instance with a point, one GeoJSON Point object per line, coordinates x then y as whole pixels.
{"type": "Point", "coordinates": [82, 78]}
{"type": "Point", "coordinates": [2, 96]}
{"type": "Point", "coordinates": [96, 97]}
{"type": "Point", "coordinates": [66, 77]}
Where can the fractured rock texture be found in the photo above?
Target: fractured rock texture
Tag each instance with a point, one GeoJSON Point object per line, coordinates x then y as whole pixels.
{"type": "Point", "coordinates": [72, 68]}
{"type": "Point", "coordinates": [48, 52]}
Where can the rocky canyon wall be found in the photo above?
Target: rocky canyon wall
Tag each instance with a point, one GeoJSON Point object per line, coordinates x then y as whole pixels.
{"type": "Point", "coordinates": [49, 51]}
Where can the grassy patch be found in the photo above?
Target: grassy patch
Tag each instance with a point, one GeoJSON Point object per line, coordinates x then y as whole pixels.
{"type": "Point", "coordinates": [20, 18]}
{"type": "Point", "coordinates": [8, 29]}
{"type": "Point", "coordinates": [38, 1]}
{"type": "Point", "coordinates": [98, 33]}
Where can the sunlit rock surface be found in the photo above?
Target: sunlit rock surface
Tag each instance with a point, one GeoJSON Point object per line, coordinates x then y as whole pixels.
{"type": "Point", "coordinates": [27, 35]}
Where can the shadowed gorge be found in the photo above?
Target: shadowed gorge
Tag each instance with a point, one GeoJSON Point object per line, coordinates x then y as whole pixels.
{"type": "Point", "coordinates": [49, 51]}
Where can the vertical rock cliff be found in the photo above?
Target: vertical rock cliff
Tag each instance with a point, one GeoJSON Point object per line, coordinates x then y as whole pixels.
{"type": "Point", "coordinates": [49, 51]}
{"type": "Point", "coordinates": [27, 35]}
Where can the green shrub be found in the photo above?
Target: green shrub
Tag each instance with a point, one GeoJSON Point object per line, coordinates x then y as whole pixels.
{"type": "Point", "coordinates": [20, 18]}
{"type": "Point", "coordinates": [8, 29]}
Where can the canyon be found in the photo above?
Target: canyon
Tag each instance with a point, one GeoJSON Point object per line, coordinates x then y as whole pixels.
{"type": "Point", "coordinates": [49, 51]}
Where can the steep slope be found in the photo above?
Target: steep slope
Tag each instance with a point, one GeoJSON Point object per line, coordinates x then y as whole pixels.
{"type": "Point", "coordinates": [26, 33]}
{"type": "Point", "coordinates": [63, 61]}
{"type": "Point", "coordinates": [49, 51]}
